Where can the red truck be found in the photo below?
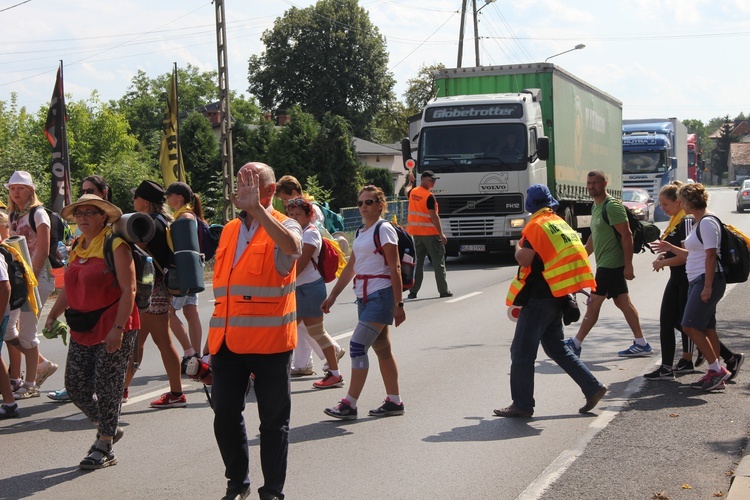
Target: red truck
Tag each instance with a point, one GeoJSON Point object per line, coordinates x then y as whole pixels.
{"type": "Point", "coordinates": [694, 157]}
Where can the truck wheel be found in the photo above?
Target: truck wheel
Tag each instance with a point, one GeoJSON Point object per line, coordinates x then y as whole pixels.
{"type": "Point", "coordinates": [570, 217]}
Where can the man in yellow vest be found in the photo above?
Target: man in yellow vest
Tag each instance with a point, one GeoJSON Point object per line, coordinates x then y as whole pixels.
{"type": "Point", "coordinates": [253, 330]}
{"type": "Point", "coordinates": [429, 239]}
{"type": "Point", "coordinates": [553, 263]}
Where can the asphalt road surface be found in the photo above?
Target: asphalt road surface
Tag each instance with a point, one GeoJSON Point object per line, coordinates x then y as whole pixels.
{"type": "Point", "coordinates": [453, 356]}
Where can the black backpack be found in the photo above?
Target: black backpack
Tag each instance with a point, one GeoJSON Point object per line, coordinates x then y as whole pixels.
{"type": "Point", "coordinates": [734, 256]}
{"type": "Point", "coordinates": [208, 237]}
{"type": "Point", "coordinates": [407, 252]}
{"type": "Point", "coordinates": [643, 232]}
{"type": "Point", "coordinates": [59, 230]}
{"type": "Point", "coordinates": [19, 289]}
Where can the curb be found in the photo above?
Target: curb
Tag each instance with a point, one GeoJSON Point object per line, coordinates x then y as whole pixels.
{"type": "Point", "coordinates": [739, 487]}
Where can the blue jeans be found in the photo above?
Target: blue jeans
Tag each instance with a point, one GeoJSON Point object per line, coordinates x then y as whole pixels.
{"type": "Point", "coordinates": [231, 373]}
{"type": "Point", "coordinates": [540, 321]}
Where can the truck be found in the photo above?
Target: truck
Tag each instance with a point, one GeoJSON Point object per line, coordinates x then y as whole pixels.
{"type": "Point", "coordinates": [493, 131]}
{"type": "Point", "coordinates": [693, 157]}
{"type": "Point", "coordinates": [654, 153]}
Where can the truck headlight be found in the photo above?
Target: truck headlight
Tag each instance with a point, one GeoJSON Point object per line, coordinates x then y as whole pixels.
{"type": "Point", "coordinates": [516, 223]}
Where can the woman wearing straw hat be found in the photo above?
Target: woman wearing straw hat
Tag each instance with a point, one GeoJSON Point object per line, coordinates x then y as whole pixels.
{"type": "Point", "coordinates": [23, 326]}
{"type": "Point", "coordinates": [103, 320]}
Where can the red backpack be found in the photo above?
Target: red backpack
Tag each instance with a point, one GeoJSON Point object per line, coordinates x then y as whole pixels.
{"type": "Point", "coordinates": [328, 261]}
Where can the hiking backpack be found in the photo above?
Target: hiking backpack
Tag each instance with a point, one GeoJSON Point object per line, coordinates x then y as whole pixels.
{"type": "Point", "coordinates": [59, 230]}
{"type": "Point", "coordinates": [208, 237]}
{"type": "Point", "coordinates": [331, 260]}
{"type": "Point", "coordinates": [734, 255]}
{"type": "Point", "coordinates": [332, 222]}
{"type": "Point", "coordinates": [643, 232]}
{"type": "Point", "coordinates": [406, 252]}
{"type": "Point", "coordinates": [19, 289]}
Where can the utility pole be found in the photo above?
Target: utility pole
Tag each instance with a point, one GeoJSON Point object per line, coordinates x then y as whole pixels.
{"type": "Point", "coordinates": [476, 32]}
{"type": "Point", "coordinates": [225, 142]}
{"type": "Point", "coordinates": [461, 34]}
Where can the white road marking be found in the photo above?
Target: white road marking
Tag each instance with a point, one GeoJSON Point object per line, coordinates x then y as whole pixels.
{"type": "Point", "coordinates": [564, 460]}
{"type": "Point", "coordinates": [462, 297]}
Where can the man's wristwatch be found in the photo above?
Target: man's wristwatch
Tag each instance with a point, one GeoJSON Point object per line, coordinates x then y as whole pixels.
{"type": "Point", "coordinates": [400, 304]}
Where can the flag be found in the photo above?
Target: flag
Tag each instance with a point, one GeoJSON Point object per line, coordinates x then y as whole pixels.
{"type": "Point", "coordinates": [55, 129]}
{"type": "Point", "coordinates": [170, 158]}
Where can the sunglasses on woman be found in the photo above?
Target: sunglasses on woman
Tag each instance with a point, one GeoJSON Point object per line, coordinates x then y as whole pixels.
{"type": "Point", "coordinates": [88, 191]}
{"type": "Point", "coordinates": [367, 202]}
{"type": "Point", "coordinates": [296, 202]}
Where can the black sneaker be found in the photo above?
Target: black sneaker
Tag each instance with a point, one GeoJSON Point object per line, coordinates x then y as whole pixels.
{"type": "Point", "coordinates": [684, 366]}
{"type": "Point", "coordinates": [664, 372]}
{"type": "Point", "coordinates": [446, 294]}
{"type": "Point", "coordinates": [387, 409]}
{"type": "Point", "coordinates": [734, 364]}
{"type": "Point", "coordinates": [237, 494]}
{"type": "Point", "coordinates": [342, 411]}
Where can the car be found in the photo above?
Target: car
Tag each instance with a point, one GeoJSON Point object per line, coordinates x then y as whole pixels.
{"type": "Point", "coordinates": [640, 202]}
{"type": "Point", "coordinates": [743, 196]}
{"type": "Point", "coordinates": [738, 181]}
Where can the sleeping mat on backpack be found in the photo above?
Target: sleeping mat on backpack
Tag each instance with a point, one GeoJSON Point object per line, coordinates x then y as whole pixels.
{"type": "Point", "coordinates": [187, 257]}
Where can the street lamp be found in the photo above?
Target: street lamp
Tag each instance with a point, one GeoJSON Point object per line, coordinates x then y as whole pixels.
{"type": "Point", "coordinates": [486, 3]}
{"type": "Point", "coordinates": [577, 47]}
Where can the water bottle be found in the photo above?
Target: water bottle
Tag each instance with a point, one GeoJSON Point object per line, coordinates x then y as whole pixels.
{"type": "Point", "coordinates": [733, 256]}
{"type": "Point", "coordinates": [63, 252]}
{"type": "Point", "coordinates": [148, 272]}
{"type": "Point", "coordinates": [407, 266]}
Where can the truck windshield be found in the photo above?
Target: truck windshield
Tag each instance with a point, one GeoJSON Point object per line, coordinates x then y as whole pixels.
{"type": "Point", "coordinates": [474, 148]}
{"type": "Point", "coordinates": [643, 163]}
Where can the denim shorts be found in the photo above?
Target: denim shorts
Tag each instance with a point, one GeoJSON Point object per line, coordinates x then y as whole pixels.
{"type": "Point", "coordinates": [190, 299]}
{"type": "Point", "coordinates": [702, 315]}
{"type": "Point", "coordinates": [378, 308]}
{"type": "Point", "coordinates": [309, 298]}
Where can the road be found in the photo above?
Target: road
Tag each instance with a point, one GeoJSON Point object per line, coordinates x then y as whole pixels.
{"type": "Point", "coordinates": [453, 357]}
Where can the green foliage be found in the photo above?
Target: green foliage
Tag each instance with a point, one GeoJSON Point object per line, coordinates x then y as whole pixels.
{"type": "Point", "coordinates": [252, 144]}
{"type": "Point", "coordinates": [391, 124]}
{"type": "Point", "coordinates": [313, 188]}
{"type": "Point", "coordinates": [291, 153]}
{"type": "Point", "coordinates": [201, 157]}
{"type": "Point", "coordinates": [130, 169]}
{"type": "Point", "coordinates": [336, 161]}
{"type": "Point", "coordinates": [244, 109]}
{"type": "Point", "coordinates": [379, 177]}
{"type": "Point", "coordinates": [327, 57]}
{"type": "Point", "coordinates": [421, 88]}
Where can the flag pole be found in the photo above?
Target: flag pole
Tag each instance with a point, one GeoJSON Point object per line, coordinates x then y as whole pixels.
{"type": "Point", "coordinates": [177, 115]}
{"type": "Point", "coordinates": [68, 194]}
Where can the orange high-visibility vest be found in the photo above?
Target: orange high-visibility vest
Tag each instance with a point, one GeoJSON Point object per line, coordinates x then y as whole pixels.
{"type": "Point", "coordinates": [256, 309]}
{"type": "Point", "coordinates": [566, 263]}
{"type": "Point", "coordinates": [418, 220]}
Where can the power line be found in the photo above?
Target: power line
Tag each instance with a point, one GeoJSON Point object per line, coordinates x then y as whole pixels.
{"type": "Point", "coordinates": [14, 6]}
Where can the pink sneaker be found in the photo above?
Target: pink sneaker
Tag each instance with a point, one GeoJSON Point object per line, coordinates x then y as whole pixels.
{"type": "Point", "coordinates": [330, 380]}
{"type": "Point", "coordinates": [167, 400]}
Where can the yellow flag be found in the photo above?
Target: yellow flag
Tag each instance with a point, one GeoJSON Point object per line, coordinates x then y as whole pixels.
{"type": "Point", "coordinates": [170, 159]}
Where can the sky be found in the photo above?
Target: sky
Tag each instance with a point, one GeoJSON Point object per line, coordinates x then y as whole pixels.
{"type": "Point", "coordinates": [661, 58]}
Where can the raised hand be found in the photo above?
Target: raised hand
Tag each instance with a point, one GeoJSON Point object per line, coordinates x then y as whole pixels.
{"type": "Point", "coordinates": [248, 190]}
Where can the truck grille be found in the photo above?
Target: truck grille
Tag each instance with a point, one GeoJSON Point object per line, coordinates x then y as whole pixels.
{"type": "Point", "coordinates": [502, 204]}
{"type": "Point", "coordinates": [472, 228]}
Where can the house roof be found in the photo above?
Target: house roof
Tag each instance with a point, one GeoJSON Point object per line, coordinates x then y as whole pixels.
{"type": "Point", "coordinates": [739, 129]}
{"type": "Point", "coordinates": [739, 153]}
{"type": "Point", "coordinates": [364, 147]}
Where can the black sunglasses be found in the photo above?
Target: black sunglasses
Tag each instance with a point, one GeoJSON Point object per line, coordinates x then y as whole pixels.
{"type": "Point", "coordinates": [88, 191]}
{"type": "Point", "coordinates": [367, 202]}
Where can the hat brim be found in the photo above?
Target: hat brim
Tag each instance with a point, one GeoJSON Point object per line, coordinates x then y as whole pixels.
{"type": "Point", "coordinates": [112, 211]}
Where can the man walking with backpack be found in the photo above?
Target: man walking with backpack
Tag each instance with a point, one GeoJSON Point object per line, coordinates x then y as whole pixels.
{"type": "Point", "coordinates": [429, 239]}
{"type": "Point", "coordinates": [612, 244]}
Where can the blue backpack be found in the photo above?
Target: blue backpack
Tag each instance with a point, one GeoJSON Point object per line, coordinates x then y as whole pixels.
{"type": "Point", "coordinates": [208, 237]}
{"type": "Point", "coordinates": [332, 221]}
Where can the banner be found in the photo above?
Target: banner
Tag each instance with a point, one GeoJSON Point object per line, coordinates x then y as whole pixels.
{"type": "Point", "coordinates": [55, 129]}
{"type": "Point", "coordinates": [170, 158]}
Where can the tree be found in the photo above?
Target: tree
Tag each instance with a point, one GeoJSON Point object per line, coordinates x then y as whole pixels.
{"type": "Point", "coordinates": [200, 155]}
{"type": "Point", "coordinates": [326, 58]}
{"type": "Point", "coordinates": [391, 124]}
{"type": "Point", "coordinates": [379, 177]}
{"type": "Point", "coordinates": [336, 161]}
{"type": "Point", "coordinates": [721, 155]}
{"type": "Point", "coordinates": [291, 151]}
{"type": "Point", "coordinates": [421, 89]}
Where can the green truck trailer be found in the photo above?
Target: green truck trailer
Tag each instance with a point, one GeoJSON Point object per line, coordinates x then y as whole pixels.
{"type": "Point", "coordinates": [494, 131]}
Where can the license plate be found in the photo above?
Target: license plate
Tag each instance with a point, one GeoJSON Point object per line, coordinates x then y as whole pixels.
{"type": "Point", "coordinates": [471, 248]}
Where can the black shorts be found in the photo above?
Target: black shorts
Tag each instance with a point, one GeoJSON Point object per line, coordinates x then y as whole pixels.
{"type": "Point", "coordinates": [610, 282]}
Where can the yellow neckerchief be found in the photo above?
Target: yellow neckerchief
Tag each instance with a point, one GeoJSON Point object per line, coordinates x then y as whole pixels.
{"type": "Point", "coordinates": [31, 281]}
{"type": "Point", "coordinates": [673, 222]}
{"type": "Point", "coordinates": [540, 212]}
{"type": "Point", "coordinates": [95, 248]}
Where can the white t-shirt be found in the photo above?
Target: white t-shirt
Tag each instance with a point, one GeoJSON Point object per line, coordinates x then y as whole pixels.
{"type": "Point", "coordinates": [310, 236]}
{"type": "Point", "coordinates": [711, 236]}
{"type": "Point", "coordinates": [4, 277]}
{"type": "Point", "coordinates": [369, 262]}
